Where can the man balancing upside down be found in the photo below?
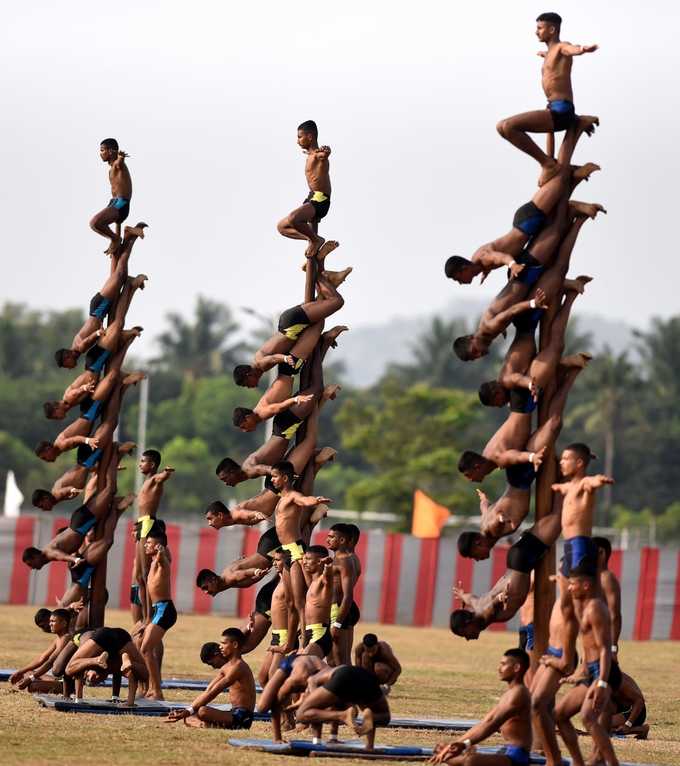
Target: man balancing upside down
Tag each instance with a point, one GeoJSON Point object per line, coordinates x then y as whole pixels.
{"type": "Point", "coordinates": [118, 208]}
{"type": "Point", "coordinates": [556, 79]}
{"type": "Point", "coordinates": [506, 597]}
{"type": "Point", "coordinates": [378, 658]}
{"type": "Point", "coordinates": [334, 696]}
{"type": "Point", "coordinates": [302, 222]}
{"type": "Point", "coordinates": [510, 717]}
{"type": "Point", "coordinates": [538, 225]}
{"type": "Point", "coordinates": [235, 676]}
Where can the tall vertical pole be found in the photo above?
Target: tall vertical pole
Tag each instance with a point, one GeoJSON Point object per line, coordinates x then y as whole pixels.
{"type": "Point", "coordinates": [141, 426]}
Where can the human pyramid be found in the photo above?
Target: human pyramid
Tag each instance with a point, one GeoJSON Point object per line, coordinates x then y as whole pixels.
{"type": "Point", "coordinates": [305, 595]}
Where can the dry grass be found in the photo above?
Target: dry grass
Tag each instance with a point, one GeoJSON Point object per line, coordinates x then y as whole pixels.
{"type": "Point", "coordinates": [443, 677]}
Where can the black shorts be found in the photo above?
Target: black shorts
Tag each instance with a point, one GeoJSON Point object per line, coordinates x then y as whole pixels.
{"type": "Point", "coordinates": [164, 614]}
{"type": "Point", "coordinates": [268, 542]}
{"type": "Point", "coordinates": [526, 553]}
{"type": "Point", "coordinates": [242, 718]}
{"type": "Point", "coordinates": [522, 401]}
{"type": "Point", "coordinates": [529, 219]}
{"type": "Point", "coordinates": [263, 600]}
{"type": "Point", "coordinates": [286, 424]}
{"type": "Point", "coordinates": [111, 640]}
{"type": "Point", "coordinates": [292, 322]}
{"type": "Point", "coordinates": [96, 358]}
{"type": "Point", "coordinates": [563, 114]}
{"type": "Point", "coordinates": [321, 207]}
{"type": "Point", "coordinates": [641, 716]}
{"type": "Point", "coordinates": [82, 520]}
{"type": "Point", "coordinates": [354, 686]}
{"type": "Point", "coordinates": [353, 617]}
{"type": "Point", "coordinates": [290, 369]}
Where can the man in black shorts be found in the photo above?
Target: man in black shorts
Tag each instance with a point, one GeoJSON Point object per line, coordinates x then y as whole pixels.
{"type": "Point", "coordinates": [333, 696]}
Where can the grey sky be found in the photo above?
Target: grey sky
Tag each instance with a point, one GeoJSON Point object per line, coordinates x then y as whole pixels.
{"type": "Point", "coordinates": [206, 98]}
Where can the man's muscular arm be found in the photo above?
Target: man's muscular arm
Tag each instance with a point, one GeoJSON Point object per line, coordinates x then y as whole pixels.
{"type": "Point", "coordinates": [592, 483]}
{"type": "Point", "coordinates": [496, 325]}
{"type": "Point", "coordinates": [567, 49]}
{"type": "Point", "coordinates": [162, 476]}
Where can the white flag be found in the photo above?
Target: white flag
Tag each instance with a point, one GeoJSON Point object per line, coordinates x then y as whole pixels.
{"type": "Point", "coordinates": [13, 496]}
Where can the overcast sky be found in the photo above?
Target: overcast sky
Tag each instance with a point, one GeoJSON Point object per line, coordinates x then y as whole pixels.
{"type": "Point", "coordinates": [206, 97]}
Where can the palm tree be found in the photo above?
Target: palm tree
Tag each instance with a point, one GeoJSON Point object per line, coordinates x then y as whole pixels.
{"type": "Point", "coordinates": [204, 346]}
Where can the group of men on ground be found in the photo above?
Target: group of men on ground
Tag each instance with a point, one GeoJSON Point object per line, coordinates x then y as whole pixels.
{"type": "Point", "coordinates": [536, 252]}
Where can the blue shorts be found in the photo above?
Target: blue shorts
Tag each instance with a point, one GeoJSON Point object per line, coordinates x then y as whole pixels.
{"type": "Point", "coordinates": [99, 306]}
{"type": "Point", "coordinates": [553, 652]}
{"type": "Point", "coordinates": [122, 205]}
{"type": "Point", "coordinates": [164, 614]}
{"type": "Point", "coordinates": [580, 557]}
{"type": "Point", "coordinates": [563, 113]}
{"type": "Point", "coordinates": [90, 408]}
{"type": "Point", "coordinates": [519, 756]}
{"type": "Point", "coordinates": [526, 637]}
{"type": "Point", "coordinates": [242, 718]}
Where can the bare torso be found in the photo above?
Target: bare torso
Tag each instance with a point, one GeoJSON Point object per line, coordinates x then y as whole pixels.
{"type": "Point", "coordinates": [577, 510]}
{"type": "Point", "coordinates": [279, 607]}
{"type": "Point", "coordinates": [318, 601]}
{"type": "Point", "coordinates": [517, 729]}
{"type": "Point", "coordinates": [241, 683]}
{"type": "Point", "coordinates": [349, 564]}
{"type": "Point", "coordinates": [505, 515]}
{"type": "Point", "coordinates": [158, 582]}
{"type": "Point", "coordinates": [287, 518]}
{"type": "Point", "coordinates": [556, 75]}
{"type": "Point", "coordinates": [513, 434]}
{"type": "Point", "coordinates": [149, 497]}
{"type": "Point", "coordinates": [588, 612]}
{"type": "Point", "coordinates": [121, 182]}
{"type": "Point", "coordinates": [317, 172]}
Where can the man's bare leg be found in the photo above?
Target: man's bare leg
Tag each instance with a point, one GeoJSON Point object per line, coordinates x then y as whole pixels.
{"type": "Point", "coordinates": [101, 223]}
{"type": "Point", "coordinates": [566, 709]}
{"type": "Point", "coordinates": [114, 332]}
{"type": "Point", "coordinates": [543, 691]}
{"type": "Point", "coordinates": [97, 550]}
{"type": "Point", "coordinates": [153, 635]}
{"type": "Point", "coordinates": [328, 302]}
{"type": "Point", "coordinates": [298, 225]}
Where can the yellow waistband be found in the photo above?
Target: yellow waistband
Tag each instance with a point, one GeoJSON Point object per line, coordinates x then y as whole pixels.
{"type": "Point", "coordinates": [295, 549]}
{"type": "Point", "coordinates": [281, 634]}
{"type": "Point", "coordinates": [318, 196]}
{"type": "Point", "coordinates": [294, 331]}
{"type": "Point", "coordinates": [316, 631]}
{"type": "Point", "coordinates": [145, 522]}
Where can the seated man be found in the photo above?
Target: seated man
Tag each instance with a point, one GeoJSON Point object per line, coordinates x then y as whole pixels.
{"type": "Point", "coordinates": [30, 677]}
{"type": "Point", "coordinates": [104, 649]}
{"type": "Point", "coordinates": [503, 601]}
{"type": "Point", "coordinates": [510, 717]}
{"type": "Point", "coordinates": [234, 676]}
{"type": "Point", "coordinates": [334, 695]}
{"type": "Point", "coordinates": [378, 658]}
{"type": "Point", "coordinates": [628, 712]}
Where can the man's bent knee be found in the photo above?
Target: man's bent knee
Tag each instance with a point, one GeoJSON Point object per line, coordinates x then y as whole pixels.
{"type": "Point", "coordinates": [503, 127]}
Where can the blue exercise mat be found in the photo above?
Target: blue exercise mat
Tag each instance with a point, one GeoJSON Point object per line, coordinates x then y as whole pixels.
{"type": "Point", "coordinates": [354, 748]}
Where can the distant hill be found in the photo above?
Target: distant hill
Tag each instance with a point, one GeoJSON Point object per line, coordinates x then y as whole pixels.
{"type": "Point", "coordinates": [367, 350]}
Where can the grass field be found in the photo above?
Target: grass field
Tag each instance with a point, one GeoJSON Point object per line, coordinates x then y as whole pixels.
{"type": "Point", "coordinates": [443, 677]}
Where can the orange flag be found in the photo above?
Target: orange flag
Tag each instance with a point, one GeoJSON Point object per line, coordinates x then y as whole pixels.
{"type": "Point", "coordinates": [428, 517]}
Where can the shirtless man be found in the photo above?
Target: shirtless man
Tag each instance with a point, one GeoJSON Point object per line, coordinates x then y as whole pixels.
{"type": "Point", "coordinates": [289, 356]}
{"type": "Point", "coordinates": [96, 545]}
{"type": "Point", "coordinates": [628, 711]}
{"type": "Point", "coordinates": [580, 553]}
{"type": "Point", "coordinates": [334, 696]}
{"type": "Point", "coordinates": [558, 662]}
{"type": "Point", "coordinates": [506, 597]}
{"type": "Point", "coordinates": [510, 717]}
{"type": "Point", "coordinates": [95, 509]}
{"type": "Point", "coordinates": [30, 676]}
{"type": "Point", "coordinates": [233, 576]}
{"type": "Point", "coordinates": [521, 305]}
{"type": "Point", "coordinates": [377, 657]}
{"type": "Point", "coordinates": [100, 650]}
{"type": "Point", "coordinates": [556, 80]}
{"type": "Point", "coordinates": [148, 502]}
{"type": "Point", "coordinates": [164, 614]}
{"type": "Point", "coordinates": [603, 675]}
{"type": "Point", "coordinates": [289, 531]}
{"type": "Point", "coordinates": [303, 221]}
{"type": "Point", "coordinates": [286, 682]}
{"type": "Point", "coordinates": [315, 616]}
{"type": "Point", "coordinates": [236, 677]}
{"type": "Point", "coordinates": [281, 641]}
{"type": "Point", "coordinates": [345, 613]}
{"type": "Point", "coordinates": [538, 225]}
{"type": "Point", "coordinates": [611, 589]}
{"type": "Point", "coordinates": [524, 368]}
{"type": "Point", "coordinates": [519, 452]}
{"type": "Point", "coordinates": [102, 344]}
{"type": "Point", "coordinates": [107, 394]}
{"type": "Point", "coordinates": [118, 208]}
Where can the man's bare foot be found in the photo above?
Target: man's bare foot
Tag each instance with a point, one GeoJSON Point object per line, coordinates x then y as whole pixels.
{"type": "Point", "coordinates": [320, 512]}
{"type": "Point", "coordinates": [588, 209]}
{"type": "Point", "coordinates": [583, 172]}
{"type": "Point", "coordinates": [102, 660]}
{"type": "Point", "coordinates": [132, 378]}
{"type": "Point", "coordinates": [644, 731]}
{"type": "Point", "coordinates": [330, 392]}
{"type": "Point", "coordinates": [578, 284]}
{"type": "Point", "coordinates": [132, 232]}
{"type": "Point", "coordinates": [325, 249]}
{"type": "Point", "coordinates": [336, 278]}
{"type": "Point", "coordinates": [154, 695]}
{"type": "Point", "coordinates": [331, 335]}
{"type": "Point", "coordinates": [113, 248]}
{"type": "Point", "coordinates": [366, 723]}
{"type": "Point", "coordinates": [350, 717]}
{"type": "Point", "coordinates": [576, 360]}
{"type": "Point", "coordinates": [138, 282]}
{"type": "Point", "coordinates": [323, 456]}
{"type": "Point", "coordinates": [314, 246]}
{"type": "Point", "coordinates": [194, 722]}
{"type": "Point", "coordinates": [125, 502]}
{"type": "Point", "coordinates": [587, 123]}
{"type": "Point", "coordinates": [550, 169]}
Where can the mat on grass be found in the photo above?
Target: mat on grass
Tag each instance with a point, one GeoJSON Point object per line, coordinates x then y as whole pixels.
{"type": "Point", "coordinates": [355, 749]}
{"type": "Point", "coordinates": [106, 707]}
